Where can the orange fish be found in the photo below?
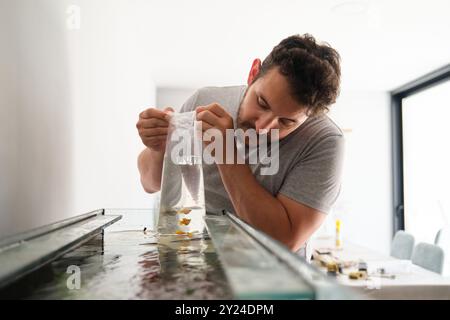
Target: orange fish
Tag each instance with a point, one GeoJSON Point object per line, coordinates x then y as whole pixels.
{"type": "Point", "coordinates": [184, 210]}
{"type": "Point", "coordinates": [185, 221]}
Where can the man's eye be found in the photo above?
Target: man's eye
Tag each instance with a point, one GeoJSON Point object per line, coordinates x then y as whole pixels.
{"type": "Point", "coordinates": [286, 122]}
{"type": "Point", "coordinates": [262, 104]}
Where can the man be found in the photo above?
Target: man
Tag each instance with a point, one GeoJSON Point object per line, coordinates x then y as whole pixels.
{"type": "Point", "coordinates": [291, 90]}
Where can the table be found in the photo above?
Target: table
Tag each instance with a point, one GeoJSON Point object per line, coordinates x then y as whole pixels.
{"type": "Point", "coordinates": [411, 281]}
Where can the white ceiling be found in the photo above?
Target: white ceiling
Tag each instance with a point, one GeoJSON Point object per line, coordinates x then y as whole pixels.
{"type": "Point", "coordinates": [200, 42]}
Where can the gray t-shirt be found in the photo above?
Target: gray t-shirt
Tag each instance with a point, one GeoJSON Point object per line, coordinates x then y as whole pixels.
{"type": "Point", "coordinates": [310, 158]}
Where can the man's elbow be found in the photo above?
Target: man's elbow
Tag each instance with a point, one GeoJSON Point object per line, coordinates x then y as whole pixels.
{"type": "Point", "coordinates": [295, 239]}
{"type": "Point", "coordinates": [294, 244]}
{"type": "Point", "coordinates": [149, 189]}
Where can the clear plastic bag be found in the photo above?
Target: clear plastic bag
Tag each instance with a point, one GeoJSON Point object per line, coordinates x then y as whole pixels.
{"type": "Point", "coordinates": [182, 204]}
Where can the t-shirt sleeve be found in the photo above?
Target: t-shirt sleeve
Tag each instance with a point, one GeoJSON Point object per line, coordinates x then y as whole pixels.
{"type": "Point", "coordinates": [315, 180]}
{"type": "Point", "coordinates": [191, 103]}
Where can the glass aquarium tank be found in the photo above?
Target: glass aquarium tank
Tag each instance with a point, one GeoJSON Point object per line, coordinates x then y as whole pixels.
{"type": "Point", "coordinates": [130, 260]}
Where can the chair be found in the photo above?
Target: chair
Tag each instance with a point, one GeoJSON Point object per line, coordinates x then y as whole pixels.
{"type": "Point", "coordinates": [443, 237]}
{"type": "Point", "coordinates": [402, 245]}
{"type": "Point", "coordinates": [443, 240]}
{"type": "Point", "coordinates": [428, 256]}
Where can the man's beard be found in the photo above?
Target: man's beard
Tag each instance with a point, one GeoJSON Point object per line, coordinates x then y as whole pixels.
{"type": "Point", "coordinates": [240, 123]}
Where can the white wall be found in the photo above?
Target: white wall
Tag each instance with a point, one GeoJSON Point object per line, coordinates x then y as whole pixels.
{"type": "Point", "coordinates": [365, 204]}
{"type": "Point", "coordinates": [69, 102]}
{"type": "Point", "coordinates": [36, 108]}
{"type": "Point", "coordinates": [112, 84]}
{"type": "Point", "coordinates": [8, 119]}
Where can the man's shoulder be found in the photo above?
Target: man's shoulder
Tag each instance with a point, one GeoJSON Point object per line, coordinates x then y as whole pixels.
{"type": "Point", "coordinates": [317, 131]}
{"type": "Point", "coordinates": [228, 97]}
{"type": "Point", "coordinates": [226, 90]}
{"type": "Point", "coordinates": [221, 95]}
{"type": "Point", "coordinates": [324, 126]}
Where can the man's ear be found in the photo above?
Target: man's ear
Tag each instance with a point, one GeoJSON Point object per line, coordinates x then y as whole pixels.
{"type": "Point", "coordinates": [254, 71]}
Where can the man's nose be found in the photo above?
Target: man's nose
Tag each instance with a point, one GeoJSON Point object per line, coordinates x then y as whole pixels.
{"type": "Point", "coordinates": [266, 122]}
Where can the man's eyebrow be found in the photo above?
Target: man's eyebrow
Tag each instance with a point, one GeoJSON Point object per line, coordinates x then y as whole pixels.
{"type": "Point", "coordinates": [268, 106]}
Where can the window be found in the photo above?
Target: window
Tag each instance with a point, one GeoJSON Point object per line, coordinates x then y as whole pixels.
{"type": "Point", "coordinates": [421, 134]}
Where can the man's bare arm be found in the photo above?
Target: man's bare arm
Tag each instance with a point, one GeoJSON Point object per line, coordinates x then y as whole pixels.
{"type": "Point", "coordinates": [286, 220]}
{"type": "Point", "coordinates": [153, 128]}
{"type": "Point", "coordinates": [150, 165]}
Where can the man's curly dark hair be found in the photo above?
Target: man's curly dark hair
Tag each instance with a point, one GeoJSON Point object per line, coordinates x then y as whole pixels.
{"type": "Point", "coordinates": [312, 70]}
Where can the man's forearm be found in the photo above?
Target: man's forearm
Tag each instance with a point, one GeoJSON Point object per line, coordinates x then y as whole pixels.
{"type": "Point", "coordinates": [150, 165]}
{"type": "Point", "coordinates": [253, 203]}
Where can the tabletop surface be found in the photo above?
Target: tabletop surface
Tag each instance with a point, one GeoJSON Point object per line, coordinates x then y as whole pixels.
{"type": "Point", "coordinates": [411, 281]}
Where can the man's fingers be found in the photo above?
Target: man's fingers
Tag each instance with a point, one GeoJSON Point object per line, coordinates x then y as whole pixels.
{"type": "Point", "coordinates": [153, 113]}
{"type": "Point", "coordinates": [154, 141]}
{"type": "Point", "coordinates": [168, 113]}
{"type": "Point", "coordinates": [214, 108]}
{"type": "Point", "coordinates": [206, 126]}
{"type": "Point", "coordinates": [150, 132]}
{"type": "Point", "coordinates": [218, 110]}
{"type": "Point", "coordinates": [156, 138]}
{"type": "Point", "coordinates": [152, 123]}
{"type": "Point", "coordinates": [207, 116]}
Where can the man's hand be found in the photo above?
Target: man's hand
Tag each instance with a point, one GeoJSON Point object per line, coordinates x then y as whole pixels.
{"type": "Point", "coordinates": [214, 116]}
{"type": "Point", "coordinates": [153, 127]}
